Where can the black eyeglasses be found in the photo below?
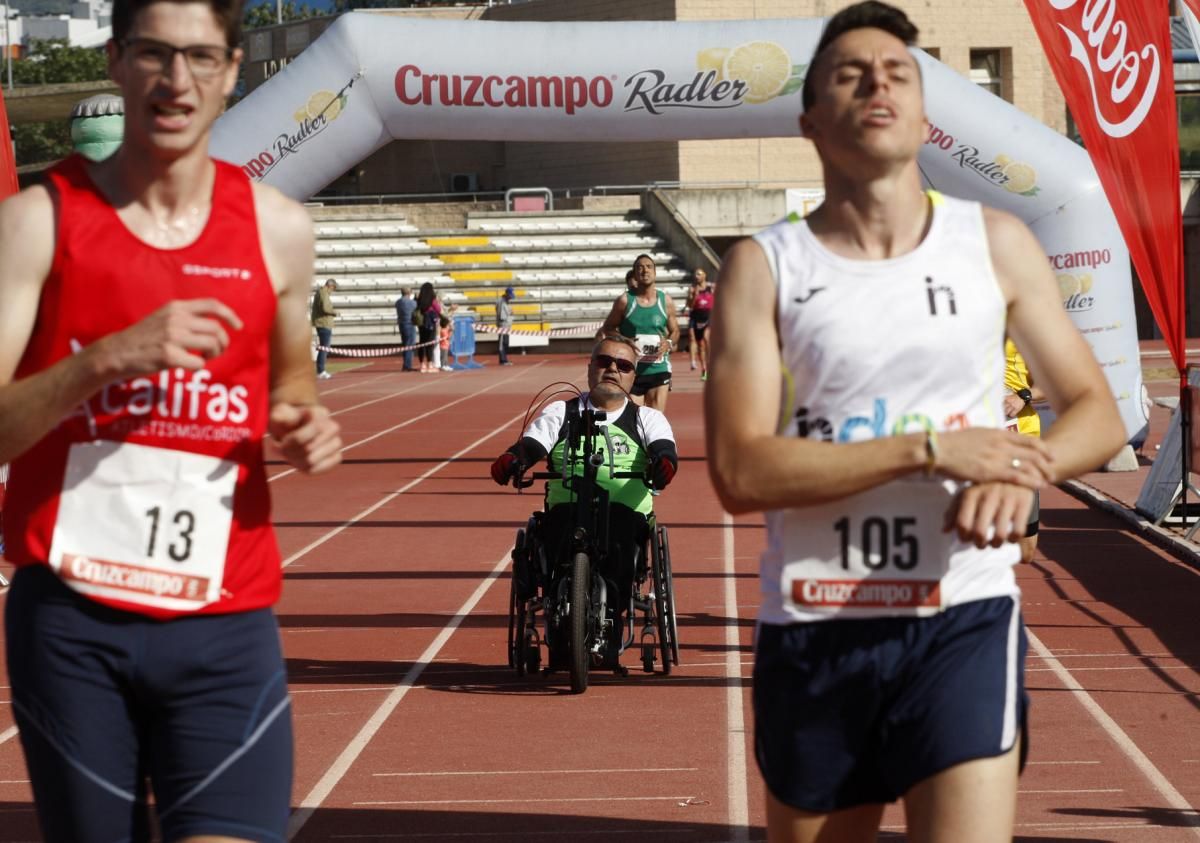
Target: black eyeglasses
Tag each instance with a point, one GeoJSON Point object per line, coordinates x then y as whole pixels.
{"type": "Point", "coordinates": [603, 361]}
{"type": "Point", "coordinates": [151, 56]}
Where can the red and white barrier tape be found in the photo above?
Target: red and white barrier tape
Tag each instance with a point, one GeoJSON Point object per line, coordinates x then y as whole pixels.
{"type": "Point", "coordinates": [553, 332]}
{"type": "Point", "coordinates": [486, 329]}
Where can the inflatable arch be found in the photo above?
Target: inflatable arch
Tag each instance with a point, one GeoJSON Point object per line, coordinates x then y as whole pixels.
{"type": "Point", "coordinates": [370, 79]}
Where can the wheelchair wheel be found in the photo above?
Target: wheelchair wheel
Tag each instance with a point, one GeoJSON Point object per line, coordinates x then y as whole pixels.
{"type": "Point", "coordinates": [516, 610]}
{"type": "Point", "coordinates": [580, 621]}
{"type": "Point", "coordinates": [664, 603]}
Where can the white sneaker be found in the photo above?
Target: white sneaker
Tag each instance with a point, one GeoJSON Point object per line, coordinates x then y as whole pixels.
{"type": "Point", "coordinates": [324, 376]}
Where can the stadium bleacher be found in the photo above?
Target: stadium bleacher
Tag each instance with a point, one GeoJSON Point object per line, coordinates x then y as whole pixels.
{"type": "Point", "coordinates": [566, 267]}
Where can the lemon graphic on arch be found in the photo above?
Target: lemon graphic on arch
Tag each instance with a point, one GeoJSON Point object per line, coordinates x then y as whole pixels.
{"type": "Point", "coordinates": [322, 102]}
{"type": "Point", "coordinates": [764, 66]}
{"type": "Point", "coordinates": [712, 59]}
{"type": "Point", "coordinates": [1085, 282]}
{"type": "Point", "coordinates": [1022, 178]}
{"type": "Point", "coordinates": [1068, 285]}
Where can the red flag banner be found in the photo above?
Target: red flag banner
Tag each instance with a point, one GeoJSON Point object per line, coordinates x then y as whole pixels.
{"type": "Point", "coordinates": [1194, 5]}
{"type": "Point", "coordinates": [8, 164]}
{"type": "Point", "coordinates": [1113, 61]}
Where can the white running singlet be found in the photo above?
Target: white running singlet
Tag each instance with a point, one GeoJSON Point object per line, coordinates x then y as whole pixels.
{"type": "Point", "coordinates": [881, 348]}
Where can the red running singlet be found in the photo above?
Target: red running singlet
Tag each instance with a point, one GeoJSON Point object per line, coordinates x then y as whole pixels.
{"type": "Point", "coordinates": [152, 495]}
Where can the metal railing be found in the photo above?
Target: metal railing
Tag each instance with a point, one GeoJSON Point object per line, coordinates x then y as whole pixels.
{"type": "Point", "coordinates": [558, 192]}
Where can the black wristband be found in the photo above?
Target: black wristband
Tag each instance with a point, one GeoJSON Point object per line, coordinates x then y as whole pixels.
{"type": "Point", "coordinates": [1025, 395]}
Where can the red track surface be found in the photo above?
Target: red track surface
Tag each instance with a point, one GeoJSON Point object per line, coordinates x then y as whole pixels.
{"type": "Point", "coordinates": [409, 725]}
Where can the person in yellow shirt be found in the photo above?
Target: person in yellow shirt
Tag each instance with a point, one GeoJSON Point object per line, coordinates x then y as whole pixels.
{"type": "Point", "coordinates": [1023, 418]}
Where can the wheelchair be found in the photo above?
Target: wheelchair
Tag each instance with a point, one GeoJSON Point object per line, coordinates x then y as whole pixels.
{"type": "Point", "coordinates": [562, 604]}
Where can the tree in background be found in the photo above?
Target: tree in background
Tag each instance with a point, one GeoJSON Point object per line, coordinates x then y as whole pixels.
{"type": "Point", "coordinates": [49, 63]}
{"type": "Point", "coordinates": [265, 14]}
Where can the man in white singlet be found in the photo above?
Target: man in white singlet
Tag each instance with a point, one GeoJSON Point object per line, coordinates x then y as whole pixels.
{"type": "Point", "coordinates": [888, 661]}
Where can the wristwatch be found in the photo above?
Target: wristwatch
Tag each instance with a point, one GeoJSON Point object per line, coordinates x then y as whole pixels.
{"type": "Point", "coordinates": [1026, 395]}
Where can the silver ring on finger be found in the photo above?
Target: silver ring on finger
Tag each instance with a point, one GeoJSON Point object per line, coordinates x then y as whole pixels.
{"type": "Point", "coordinates": [1016, 463]}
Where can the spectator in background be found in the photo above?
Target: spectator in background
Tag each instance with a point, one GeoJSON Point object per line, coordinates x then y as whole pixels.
{"type": "Point", "coordinates": [699, 303]}
{"type": "Point", "coordinates": [445, 331]}
{"type": "Point", "coordinates": [1023, 418]}
{"type": "Point", "coordinates": [406, 306]}
{"type": "Point", "coordinates": [430, 310]}
{"type": "Point", "coordinates": [323, 315]}
{"type": "Point", "coordinates": [504, 321]}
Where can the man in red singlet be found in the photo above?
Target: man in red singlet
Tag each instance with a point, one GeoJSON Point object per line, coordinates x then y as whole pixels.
{"type": "Point", "coordinates": [154, 332]}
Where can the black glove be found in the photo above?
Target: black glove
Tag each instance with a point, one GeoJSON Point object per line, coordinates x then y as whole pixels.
{"type": "Point", "coordinates": [662, 472]}
{"type": "Point", "coordinates": [506, 467]}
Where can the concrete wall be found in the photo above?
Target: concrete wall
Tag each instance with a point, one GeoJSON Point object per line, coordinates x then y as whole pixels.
{"type": "Point", "coordinates": [730, 213]}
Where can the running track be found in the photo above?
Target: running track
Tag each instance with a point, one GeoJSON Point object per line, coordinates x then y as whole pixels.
{"type": "Point", "coordinates": [410, 726]}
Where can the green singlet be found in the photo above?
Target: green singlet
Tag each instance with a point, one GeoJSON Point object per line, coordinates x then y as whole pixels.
{"type": "Point", "coordinates": [647, 326]}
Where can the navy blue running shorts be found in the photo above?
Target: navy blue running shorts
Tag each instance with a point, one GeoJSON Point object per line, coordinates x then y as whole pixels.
{"type": "Point", "coordinates": [856, 712]}
{"type": "Point", "coordinates": [106, 700]}
{"type": "Point", "coordinates": [644, 383]}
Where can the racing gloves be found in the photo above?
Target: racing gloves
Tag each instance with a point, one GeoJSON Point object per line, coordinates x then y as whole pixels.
{"type": "Point", "coordinates": [506, 467]}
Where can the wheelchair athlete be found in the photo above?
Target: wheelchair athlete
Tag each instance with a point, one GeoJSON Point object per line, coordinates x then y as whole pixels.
{"type": "Point", "coordinates": [642, 442]}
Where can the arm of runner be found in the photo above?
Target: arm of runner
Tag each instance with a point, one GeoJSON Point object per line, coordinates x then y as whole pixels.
{"type": "Point", "coordinates": [307, 436]}
{"type": "Point", "coordinates": [612, 322]}
{"type": "Point", "coordinates": [1088, 428]}
{"type": "Point", "coordinates": [181, 334]}
{"type": "Point", "coordinates": [672, 322]}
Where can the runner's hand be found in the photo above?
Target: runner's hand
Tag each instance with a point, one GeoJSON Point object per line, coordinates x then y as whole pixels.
{"type": "Point", "coordinates": [306, 435]}
{"type": "Point", "coordinates": [982, 454]}
{"type": "Point", "coordinates": [990, 513]}
{"type": "Point", "coordinates": [1012, 405]}
{"type": "Point", "coordinates": [181, 334]}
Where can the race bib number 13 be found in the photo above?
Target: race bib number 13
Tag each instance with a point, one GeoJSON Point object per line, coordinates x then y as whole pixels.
{"type": "Point", "coordinates": [144, 525]}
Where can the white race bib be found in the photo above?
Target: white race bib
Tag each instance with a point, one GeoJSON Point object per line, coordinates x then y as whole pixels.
{"type": "Point", "coordinates": [880, 552]}
{"type": "Point", "coordinates": [649, 347]}
{"type": "Point", "coordinates": [144, 525]}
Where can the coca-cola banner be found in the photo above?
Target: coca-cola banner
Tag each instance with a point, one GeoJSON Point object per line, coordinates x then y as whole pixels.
{"type": "Point", "coordinates": [1113, 60]}
{"type": "Point", "coordinates": [370, 79]}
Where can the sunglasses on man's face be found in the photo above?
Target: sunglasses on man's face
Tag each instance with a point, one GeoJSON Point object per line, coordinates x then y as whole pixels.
{"type": "Point", "coordinates": [603, 361]}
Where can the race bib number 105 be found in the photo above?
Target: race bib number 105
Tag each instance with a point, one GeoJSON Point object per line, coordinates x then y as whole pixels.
{"type": "Point", "coordinates": [144, 525]}
{"type": "Point", "coordinates": [880, 552]}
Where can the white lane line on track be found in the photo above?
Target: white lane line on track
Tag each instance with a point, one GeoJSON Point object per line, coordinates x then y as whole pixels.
{"type": "Point", "coordinates": [325, 392]}
{"type": "Point", "coordinates": [739, 813]}
{"type": "Point", "coordinates": [535, 801]}
{"type": "Point", "coordinates": [350, 754]}
{"type": "Point", "coordinates": [8, 734]}
{"type": "Point", "coordinates": [391, 497]}
{"type": "Point", "coordinates": [407, 422]}
{"type": "Point", "coordinates": [543, 772]}
{"type": "Point", "coordinates": [1141, 667]}
{"type": "Point", "coordinates": [1084, 790]}
{"type": "Point", "coordinates": [1157, 780]}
